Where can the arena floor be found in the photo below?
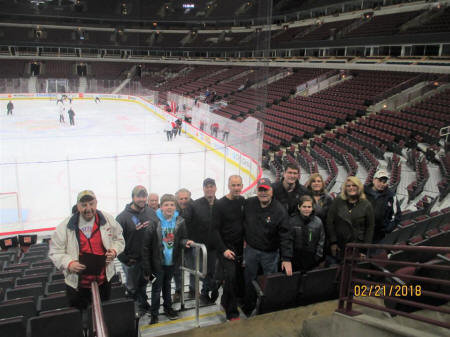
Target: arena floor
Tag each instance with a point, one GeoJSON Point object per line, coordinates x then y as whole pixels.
{"type": "Point", "coordinates": [113, 146]}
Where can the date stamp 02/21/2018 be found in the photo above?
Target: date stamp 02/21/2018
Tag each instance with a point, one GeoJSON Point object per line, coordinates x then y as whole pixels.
{"type": "Point", "coordinates": [381, 290]}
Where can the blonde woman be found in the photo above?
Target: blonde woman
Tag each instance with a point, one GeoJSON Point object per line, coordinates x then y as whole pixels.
{"type": "Point", "coordinates": [322, 200]}
{"type": "Point", "coordinates": [350, 218]}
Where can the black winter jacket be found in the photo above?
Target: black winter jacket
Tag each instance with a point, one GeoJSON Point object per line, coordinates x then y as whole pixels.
{"type": "Point", "coordinates": [344, 226]}
{"type": "Point", "coordinates": [186, 213]}
{"type": "Point", "coordinates": [133, 224]}
{"type": "Point", "coordinates": [200, 229]}
{"type": "Point", "coordinates": [289, 200]}
{"type": "Point", "coordinates": [322, 206]}
{"type": "Point", "coordinates": [153, 249]}
{"type": "Point", "coordinates": [386, 209]}
{"type": "Point", "coordinates": [267, 229]}
{"type": "Point", "coordinates": [308, 235]}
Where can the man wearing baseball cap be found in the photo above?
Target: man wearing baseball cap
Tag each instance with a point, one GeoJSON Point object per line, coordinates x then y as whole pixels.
{"type": "Point", "coordinates": [267, 236]}
{"type": "Point", "coordinates": [135, 219]}
{"type": "Point", "coordinates": [91, 233]}
{"type": "Point", "coordinates": [385, 205]}
{"type": "Point", "coordinates": [201, 230]}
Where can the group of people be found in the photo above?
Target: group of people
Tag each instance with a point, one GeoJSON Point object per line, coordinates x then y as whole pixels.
{"type": "Point", "coordinates": [62, 110]}
{"type": "Point", "coordinates": [173, 128]}
{"type": "Point", "coordinates": [286, 227]}
{"type": "Point", "coordinates": [214, 130]}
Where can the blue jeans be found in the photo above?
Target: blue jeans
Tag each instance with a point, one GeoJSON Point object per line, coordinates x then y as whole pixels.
{"type": "Point", "coordinates": [162, 282]}
{"type": "Point", "coordinates": [136, 284]}
{"type": "Point", "coordinates": [254, 258]}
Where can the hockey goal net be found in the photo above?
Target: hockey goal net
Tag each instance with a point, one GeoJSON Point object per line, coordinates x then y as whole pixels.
{"type": "Point", "coordinates": [9, 208]}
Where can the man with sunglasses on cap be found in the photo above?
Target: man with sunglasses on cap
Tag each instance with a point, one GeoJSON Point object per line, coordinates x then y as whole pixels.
{"type": "Point", "coordinates": [135, 219]}
{"type": "Point", "coordinates": [267, 237]}
{"type": "Point", "coordinates": [386, 206]}
{"type": "Point", "coordinates": [201, 230]}
{"type": "Point", "coordinates": [88, 234]}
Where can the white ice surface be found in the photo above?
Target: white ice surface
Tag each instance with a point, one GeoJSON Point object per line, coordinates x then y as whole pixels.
{"type": "Point", "coordinates": [55, 161]}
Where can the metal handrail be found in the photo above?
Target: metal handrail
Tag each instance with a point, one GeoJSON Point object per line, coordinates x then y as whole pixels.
{"type": "Point", "coordinates": [349, 280]}
{"type": "Point", "coordinates": [98, 322]}
{"type": "Point", "coordinates": [197, 274]}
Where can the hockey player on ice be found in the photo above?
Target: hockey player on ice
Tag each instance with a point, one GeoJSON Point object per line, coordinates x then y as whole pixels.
{"type": "Point", "coordinates": [61, 109]}
{"type": "Point", "coordinates": [59, 100]}
{"type": "Point", "coordinates": [9, 108]}
{"type": "Point", "coordinates": [71, 115]}
{"type": "Point", "coordinates": [168, 130]}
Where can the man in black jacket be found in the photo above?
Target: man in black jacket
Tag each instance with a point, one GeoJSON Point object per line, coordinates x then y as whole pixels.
{"type": "Point", "coordinates": [288, 191]}
{"type": "Point", "coordinates": [268, 237]}
{"type": "Point", "coordinates": [184, 206]}
{"type": "Point", "coordinates": [201, 231]}
{"type": "Point", "coordinates": [134, 219]}
{"type": "Point", "coordinates": [229, 242]}
{"type": "Point", "coordinates": [386, 207]}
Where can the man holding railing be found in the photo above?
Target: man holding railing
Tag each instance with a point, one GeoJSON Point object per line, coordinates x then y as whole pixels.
{"type": "Point", "coordinates": [161, 250]}
{"type": "Point", "coordinates": [184, 205]}
{"type": "Point", "coordinates": [201, 231]}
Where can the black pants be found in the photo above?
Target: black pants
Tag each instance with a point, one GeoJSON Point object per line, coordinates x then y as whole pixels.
{"type": "Point", "coordinates": [162, 282]}
{"type": "Point", "coordinates": [80, 298]}
{"type": "Point", "coordinates": [169, 135]}
{"type": "Point", "coordinates": [61, 118]}
{"type": "Point", "coordinates": [72, 121]}
{"type": "Point", "coordinates": [9, 112]}
{"type": "Point", "coordinates": [233, 285]}
{"type": "Point", "coordinates": [209, 282]}
{"type": "Point", "coordinates": [304, 260]}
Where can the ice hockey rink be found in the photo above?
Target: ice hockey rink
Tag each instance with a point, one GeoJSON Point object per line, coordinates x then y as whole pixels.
{"type": "Point", "coordinates": [113, 146]}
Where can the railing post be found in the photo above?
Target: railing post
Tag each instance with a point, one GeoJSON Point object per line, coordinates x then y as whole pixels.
{"type": "Point", "coordinates": [100, 329]}
{"type": "Point", "coordinates": [182, 281]}
{"type": "Point", "coordinates": [197, 275]}
{"type": "Point", "coordinates": [343, 288]}
{"type": "Point", "coordinates": [197, 286]}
